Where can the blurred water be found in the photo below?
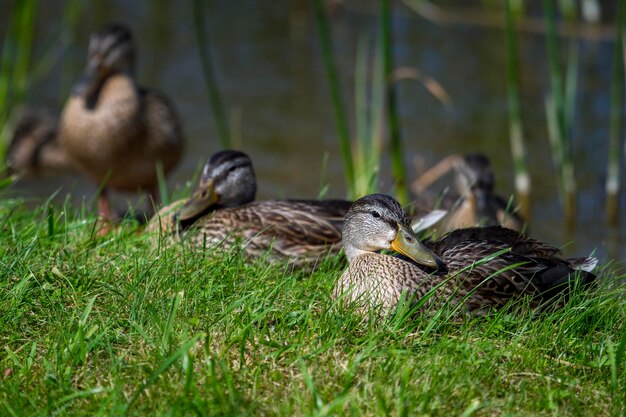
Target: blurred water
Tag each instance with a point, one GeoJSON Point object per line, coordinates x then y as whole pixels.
{"type": "Point", "coordinates": [271, 74]}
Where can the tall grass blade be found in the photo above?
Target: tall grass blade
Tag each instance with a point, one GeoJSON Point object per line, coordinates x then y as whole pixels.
{"type": "Point", "coordinates": [15, 62]}
{"type": "Point", "coordinates": [557, 118]}
{"type": "Point", "coordinates": [73, 16]}
{"type": "Point", "coordinates": [393, 124]}
{"type": "Point", "coordinates": [370, 109]}
{"type": "Point", "coordinates": [184, 348]}
{"type": "Point", "coordinates": [215, 98]}
{"type": "Point", "coordinates": [615, 134]}
{"type": "Point", "coordinates": [378, 88]}
{"type": "Point", "coordinates": [361, 146]}
{"type": "Point", "coordinates": [167, 332]}
{"type": "Point", "coordinates": [341, 122]}
{"type": "Point", "coordinates": [569, 106]}
{"type": "Point", "coordinates": [162, 185]}
{"type": "Point", "coordinates": [516, 131]}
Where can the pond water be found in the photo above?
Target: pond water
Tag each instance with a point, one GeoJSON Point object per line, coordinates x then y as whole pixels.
{"type": "Point", "coordinates": [271, 75]}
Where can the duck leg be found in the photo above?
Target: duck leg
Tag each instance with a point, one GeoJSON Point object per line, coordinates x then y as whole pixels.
{"type": "Point", "coordinates": [105, 213]}
{"type": "Point", "coordinates": [104, 207]}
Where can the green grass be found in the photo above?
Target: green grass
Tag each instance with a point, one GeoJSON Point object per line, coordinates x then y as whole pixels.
{"type": "Point", "coordinates": [123, 326]}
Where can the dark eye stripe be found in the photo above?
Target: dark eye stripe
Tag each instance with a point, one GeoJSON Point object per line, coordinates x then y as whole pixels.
{"type": "Point", "coordinates": [234, 167]}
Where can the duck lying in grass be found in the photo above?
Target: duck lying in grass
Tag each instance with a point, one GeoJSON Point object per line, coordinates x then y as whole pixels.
{"type": "Point", "coordinates": [222, 212]}
{"type": "Point", "coordinates": [483, 268]}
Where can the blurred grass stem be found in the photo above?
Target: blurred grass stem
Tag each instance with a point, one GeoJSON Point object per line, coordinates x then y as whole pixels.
{"type": "Point", "coordinates": [615, 134]}
{"type": "Point", "coordinates": [341, 122]}
{"type": "Point", "coordinates": [559, 111]}
{"type": "Point", "coordinates": [516, 131]}
{"type": "Point", "coordinates": [204, 49]}
{"type": "Point", "coordinates": [393, 124]}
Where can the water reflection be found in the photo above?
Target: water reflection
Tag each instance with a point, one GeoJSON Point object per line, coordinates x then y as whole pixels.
{"type": "Point", "coordinates": [272, 79]}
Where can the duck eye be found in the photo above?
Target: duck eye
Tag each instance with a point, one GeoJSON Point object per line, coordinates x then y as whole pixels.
{"type": "Point", "coordinates": [375, 214]}
{"type": "Point", "coordinates": [233, 168]}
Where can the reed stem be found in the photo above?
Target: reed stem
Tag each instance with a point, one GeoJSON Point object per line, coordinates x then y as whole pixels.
{"type": "Point", "coordinates": [15, 62]}
{"type": "Point", "coordinates": [393, 124]}
{"type": "Point", "coordinates": [339, 113]}
{"type": "Point", "coordinates": [204, 49]}
{"type": "Point", "coordinates": [560, 118]}
{"type": "Point", "coordinates": [516, 131]}
{"type": "Point", "coordinates": [615, 134]}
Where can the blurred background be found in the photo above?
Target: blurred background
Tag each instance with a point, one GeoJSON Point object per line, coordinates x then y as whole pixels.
{"type": "Point", "coordinates": [269, 68]}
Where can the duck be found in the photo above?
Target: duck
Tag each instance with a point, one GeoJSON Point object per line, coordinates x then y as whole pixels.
{"type": "Point", "coordinates": [114, 131]}
{"type": "Point", "coordinates": [481, 267]}
{"type": "Point", "coordinates": [222, 213]}
{"type": "Point", "coordinates": [474, 203]}
{"type": "Point", "coordinates": [34, 148]}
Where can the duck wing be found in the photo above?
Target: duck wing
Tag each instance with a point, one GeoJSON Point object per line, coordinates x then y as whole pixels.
{"type": "Point", "coordinates": [523, 266]}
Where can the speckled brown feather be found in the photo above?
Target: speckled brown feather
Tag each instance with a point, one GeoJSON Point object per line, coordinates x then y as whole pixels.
{"type": "Point", "coordinates": [34, 146]}
{"type": "Point", "coordinates": [123, 136]}
{"type": "Point", "coordinates": [298, 231]}
{"type": "Point", "coordinates": [379, 280]}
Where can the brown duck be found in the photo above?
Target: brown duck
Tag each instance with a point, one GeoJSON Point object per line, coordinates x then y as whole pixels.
{"type": "Point", "coordinates": [34, 147]}
{"type": "Point", "coordinates": [114, 131]}
{"type": "Point", "coordinates": [454, 265]}
{"type": "Point", "coordinates": [222, 213]}
{"type": "Point", "coordinates": [474, 203]}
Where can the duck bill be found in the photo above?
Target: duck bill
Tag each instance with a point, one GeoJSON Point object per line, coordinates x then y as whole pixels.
{"type": "Point", "coordinates": [407, 243]}
{"type": "Point", "coordinates": [89, 82]}
{"type": "Point", "coordinates": [481, 199]}
{"type": "Point", "coordinates": [201, 200]}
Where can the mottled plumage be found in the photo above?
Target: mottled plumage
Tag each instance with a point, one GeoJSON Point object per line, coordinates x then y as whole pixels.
{"type": "Point", "coordinates": [34, 146]}
{"type": "Point", "coordinates": [221, 213]}
{"type": "Point", "coordinates": [114, 131]}
{"type": "Point", "coordinates": [526, 267]}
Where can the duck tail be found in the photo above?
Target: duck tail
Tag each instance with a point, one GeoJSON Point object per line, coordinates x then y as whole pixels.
{"type": "Point", "coordinates": [583, 264]}
{"type": "Point", "coordinates": [564, 278]}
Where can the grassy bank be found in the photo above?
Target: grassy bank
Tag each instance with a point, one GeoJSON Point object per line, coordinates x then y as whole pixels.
{"type": "Point", "coordinates": [119, 325]}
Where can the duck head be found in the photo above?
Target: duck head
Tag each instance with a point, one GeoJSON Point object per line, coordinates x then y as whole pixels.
{"type": "Point", "coordinates": [111, 51]}
{"type": "Point", "coordinates": [227, 180]}
{"type": "Point", "coordinates": [377, 222]}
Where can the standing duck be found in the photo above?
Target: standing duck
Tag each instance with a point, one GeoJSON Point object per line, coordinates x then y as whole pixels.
{"type": "Point", "coordinates": [222, 212]}
{"type": "Point", "coordinates": [114, 131]}
{"type": "Point", "coordinates": [458, 264]}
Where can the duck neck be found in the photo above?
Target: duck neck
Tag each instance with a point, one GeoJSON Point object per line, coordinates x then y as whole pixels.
{"type": "Point", "coordinates": [352, 252]}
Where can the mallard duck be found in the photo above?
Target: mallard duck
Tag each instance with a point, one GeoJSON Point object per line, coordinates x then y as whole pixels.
{"type": "Point", "coordinates": [480, 206]}
{"type": "Point", "coordinates": [474, 203]}
{"type": "Point", "coordinates": [222, 213]}
{"type": "Point", "coordinates": [523, 267]}
{"type": "Point", "coordinates": [114, 131]}
{"type": "Point", "coordinates": [34, 146]}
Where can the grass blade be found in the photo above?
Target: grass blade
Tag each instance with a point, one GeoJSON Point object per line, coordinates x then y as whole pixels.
{"type": "Point", "coordinates": [516, 131]}
{"type": "Point", "coordinates": [560, 131]}
{"type": "Point", "coordinates": [15, 62]}
{"type": "Point", "coordinates": [167, 332]}
{"type": "Point", "coordinates": [184, 348]}
{"type": "Point", "coordinates": [213, 92]}
{"type": "Point", "coordinates": [612, 185]}
{"type": "Point", "coordinates": [393, 123]}
{"type": "Point", "coordinates": [336, 94]}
